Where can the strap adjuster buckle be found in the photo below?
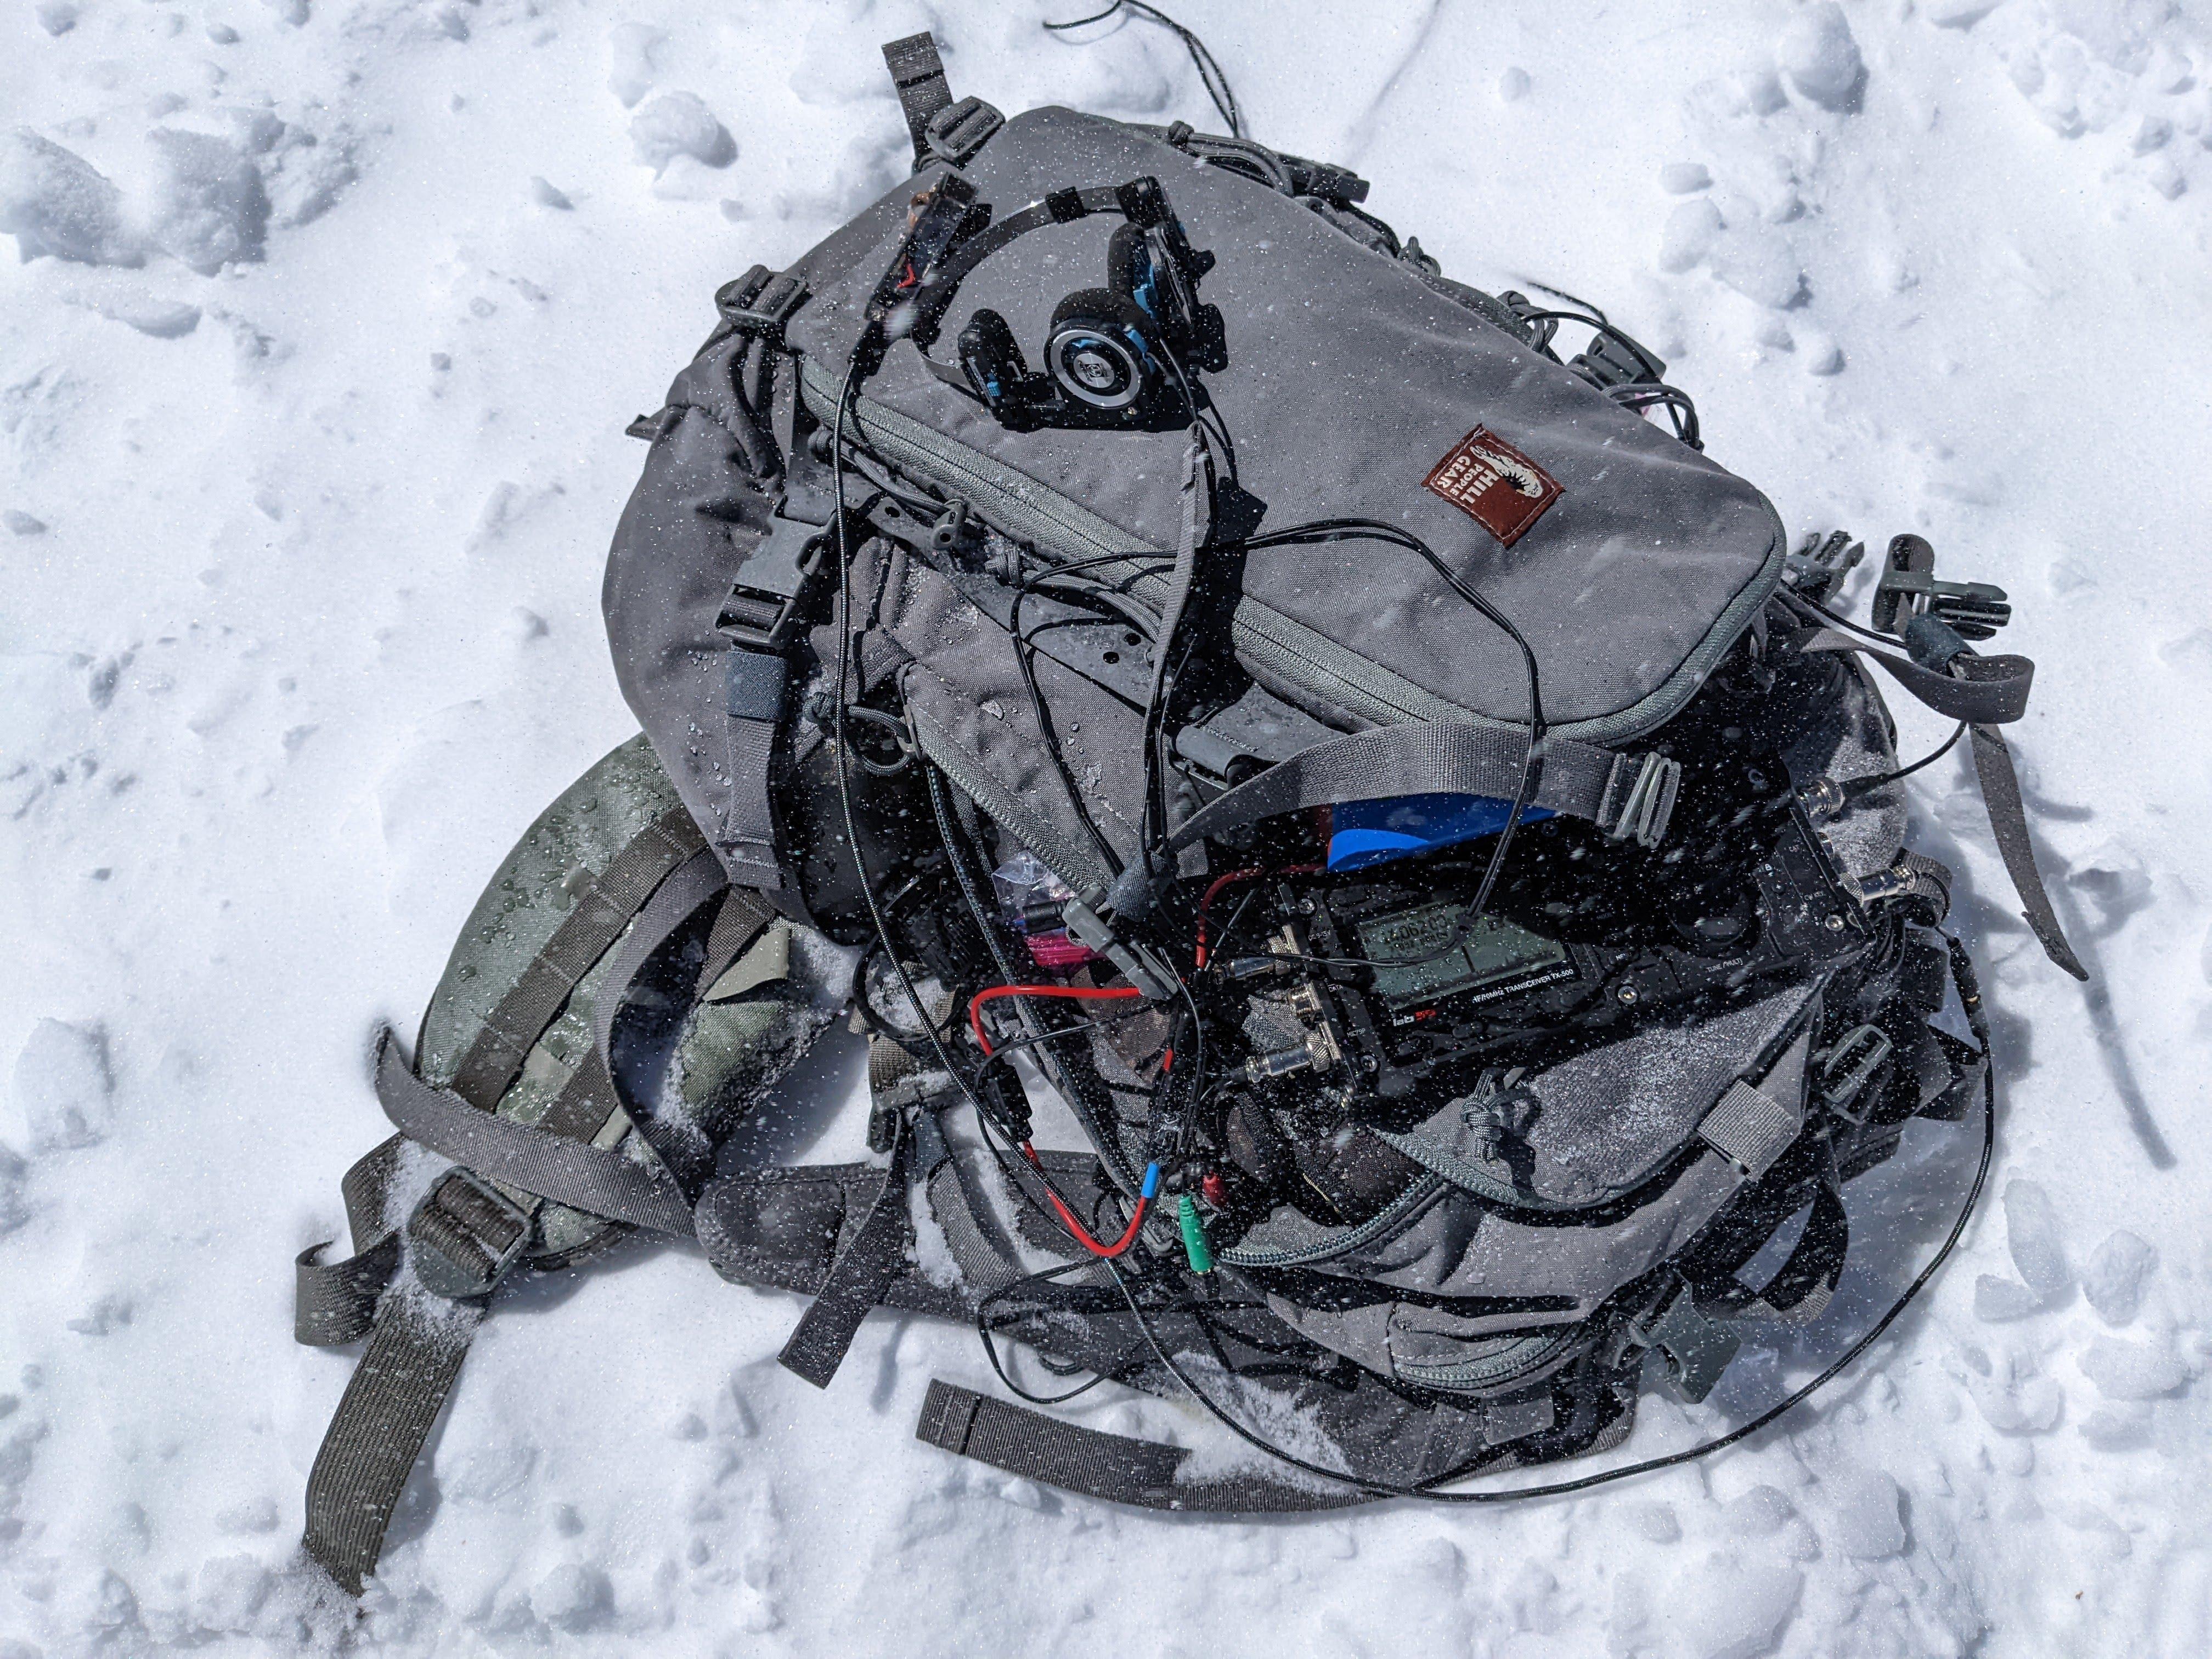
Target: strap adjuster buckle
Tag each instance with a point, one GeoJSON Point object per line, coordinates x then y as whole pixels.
{"type": "Point", "coordinates": [1637, 803]}
{"type": "Point", "coordinates": [956, 132]}
{"type": "Point", "coordinates": [464, 1236]}
{"type": "Point", "coordinates": [761, 302]}
{"type": "Point", "coordinates": [1847, 1065]}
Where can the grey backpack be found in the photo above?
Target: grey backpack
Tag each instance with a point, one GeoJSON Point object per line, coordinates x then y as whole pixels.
{"type": "Point", "coordinates": [1115, 617]}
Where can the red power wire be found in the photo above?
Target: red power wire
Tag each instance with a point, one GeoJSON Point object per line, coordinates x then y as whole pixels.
{"type": "Point", "coordinates": [1220, 882]}
{"type": "Point", "coordinates": [1076, 1228]}
{"type": "Point", "coordinates": [1075, 993]}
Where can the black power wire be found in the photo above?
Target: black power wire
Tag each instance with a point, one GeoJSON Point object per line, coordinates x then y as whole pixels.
{"type": "Point", "coordinates": [1209, 71]}
{"type": "Point", "coordinates": [1971, 1002]}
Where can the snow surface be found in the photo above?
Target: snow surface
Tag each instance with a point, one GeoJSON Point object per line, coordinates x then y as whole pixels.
{"type": "Point", "coordinates": [313, 383]}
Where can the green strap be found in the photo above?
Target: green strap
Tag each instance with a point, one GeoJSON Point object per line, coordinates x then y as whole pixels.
{"type": "Point", "coordinates": [379, 1430]}
{"type": "Point", "coordinates": [584, 935]}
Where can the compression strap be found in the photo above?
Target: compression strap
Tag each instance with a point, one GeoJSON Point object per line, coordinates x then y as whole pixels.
{"type": "Point", "coordinates": [1630, 797]}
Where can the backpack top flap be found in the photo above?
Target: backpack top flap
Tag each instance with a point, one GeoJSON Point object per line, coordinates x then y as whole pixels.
{"type": "Point", "coordinates": [1349, 380]}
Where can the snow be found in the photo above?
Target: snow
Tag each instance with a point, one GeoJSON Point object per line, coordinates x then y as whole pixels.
{"type": "Point", "coordinates": [299, 629]}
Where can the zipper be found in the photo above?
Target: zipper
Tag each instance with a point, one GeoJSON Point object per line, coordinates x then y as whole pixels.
{"type": "Point", "coordinates": [1345, 682]}
{"type": "Point", "coordinates": [1343, 1240]}
{"type": "Point", "coordinates": [1027, 511]}
{"type": "Point", "coordinates": [1521, 1358]}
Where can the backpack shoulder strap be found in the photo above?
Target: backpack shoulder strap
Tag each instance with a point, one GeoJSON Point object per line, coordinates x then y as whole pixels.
{"type": "Point", "coordinates": [478, 1218]}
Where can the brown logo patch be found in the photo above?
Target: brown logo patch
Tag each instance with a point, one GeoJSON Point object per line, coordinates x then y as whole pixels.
{"type": "Point", "coordinates": [1494, 484]}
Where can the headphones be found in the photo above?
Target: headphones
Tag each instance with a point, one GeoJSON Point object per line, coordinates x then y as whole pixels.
{"type": "Point", "coordinates": [1121, 356]}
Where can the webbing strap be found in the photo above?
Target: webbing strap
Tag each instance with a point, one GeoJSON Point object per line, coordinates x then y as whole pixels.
{"type": "Point", "coordinates": [1982, 691]}
{"type": "Point", "coordinates": [584, 1103]}
{"type": "Point", "coordinates": [857, 1279]}
{"type": "Point", "coordinates": [382, 1421]}
{"type": "Point", "coordinates": [1622, 794]}
{"type": "Point", "coordinates": [747, 841]}
{"type": "Point", "coordinates": [584, 936]}
{"type": "Point", "coordinates": [919, 74]}
{"type": "Point", "coordinates": [1750, 1127]}
{"type": "Point", "coordinates": [583, 1177]}
{"type": "Point", "coordinates": [1116, 1467]}
{"type": "Point", "coordinates": [1985, 692]}
{"type": "Point", "coordinates": [364, 1188]}
{"type": "Point", "coordinates": [740, 920]}
{"type": "Point", "coordinates": [335, 1303]}
{"type": "Point", "coordinates": [1197, 498]}
{"type": "Point", "coordinates": [1800, 1292]}
{"type": "Point", "coordinates": [2009, 824]}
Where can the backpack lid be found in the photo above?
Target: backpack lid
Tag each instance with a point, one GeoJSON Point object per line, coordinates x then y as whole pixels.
{"type": "Point", "coordinates": [1351, 380]}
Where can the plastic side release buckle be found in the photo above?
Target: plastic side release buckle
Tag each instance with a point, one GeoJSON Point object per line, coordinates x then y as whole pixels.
{"type": "Point", "coordinates": [1909, 589]}
{"type": "Point", "coordinates": [464, 1236]}
{"type": "Point", "coordinates": [759, 302]}
{"type": "Point", "coordinates": [1698, 1346]}
{"type": "Point", "coordinates": [1819, 566]}
{"type": "Point", "coordinates": [777, 585]}
{"type": "Point", "coordinates": [956, 132]}
{"type": "Point", "coordinates": [1847, 1065]}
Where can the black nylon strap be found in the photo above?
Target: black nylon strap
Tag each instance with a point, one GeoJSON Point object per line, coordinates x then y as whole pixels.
{"type": "Point", "coordinates": [379, 1430]}
{"type": "Point", "coordinates": [1983, 690]}
{"type": "Point", "coordinates": [335, 1303]}
{"type": "Point", "coordinates": [1800, 1290]}
{"type": "Point", "coordinates": [858, 1277]}
{"type": "Point", "coordinates": [747, 841]}
{"type": "Point", "coordinates": [584, 936]}
{"type": "Point", "coordinates": [2009, 824]}
{"type": "Point", "coordinates": [583, 1177]}
{"type": "Point", "coordinates": [1420, 758]}
{"type": "Point", "coordinates": [364, 1188]}
{"type": "Point", "coordinates": [1113, 1467]}
{"type": "Point", "coordinates": [919, 74]}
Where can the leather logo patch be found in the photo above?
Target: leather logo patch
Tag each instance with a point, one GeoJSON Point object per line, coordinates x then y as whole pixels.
{"type": "Point", "coordinates": [1494, 484]}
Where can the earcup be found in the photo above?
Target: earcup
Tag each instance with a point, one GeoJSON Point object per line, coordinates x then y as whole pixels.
{"type": "Point", "coordinates": [1100, 350]}
{"type": "Point", "coordinates": [1140, 267]}
{"type": "Point", "coordinates": [992, 359]}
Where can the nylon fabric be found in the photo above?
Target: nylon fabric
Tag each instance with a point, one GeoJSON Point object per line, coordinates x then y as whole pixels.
{"type": "Point", "coordinates": [335, 1303]}
{"type": "Point", "coordinates": [1116, 1467]}
{"type": "Point", "coordinates": [2000, 784]}
{"type": "Point", "coordinates": [1986, 691]}
{"type": "Point", "coordinates": [858, 1277]}
{"type": "Point", "coordinates": [1707, 548]}
{"type": "Point", "coordinates": [545, 985]}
